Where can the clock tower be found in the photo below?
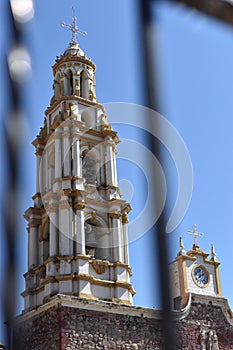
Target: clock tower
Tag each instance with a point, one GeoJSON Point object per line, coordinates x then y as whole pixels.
{"type": "Point", "coordinates": [193, 272]}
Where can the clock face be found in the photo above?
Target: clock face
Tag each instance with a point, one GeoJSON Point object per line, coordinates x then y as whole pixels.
{"type": "Point", "coordinates": [200, 276]}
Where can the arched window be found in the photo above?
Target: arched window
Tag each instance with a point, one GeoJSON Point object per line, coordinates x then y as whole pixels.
{"type": "Point", "coordinates": [57, 88]}
{"type": "Point", "coordinates": [69, 83]}
{"type": "Point", "coordinates": [91, 232]}
{"type": "Point", "coordinates": [97, 239]}
{"type": "Point", "coordinates": [93, 235]}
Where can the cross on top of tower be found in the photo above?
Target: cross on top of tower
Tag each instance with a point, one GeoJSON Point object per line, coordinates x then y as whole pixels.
{"type": "Point", "coordinates": [73, 28]}
{"type": "Point", "coordinates": [195, 234]}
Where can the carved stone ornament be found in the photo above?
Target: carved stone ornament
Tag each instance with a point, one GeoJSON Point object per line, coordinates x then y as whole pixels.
{"type": "Point", "coordinates": [209, 340]}
{"type": "Point", "coordinates": [98, 266]}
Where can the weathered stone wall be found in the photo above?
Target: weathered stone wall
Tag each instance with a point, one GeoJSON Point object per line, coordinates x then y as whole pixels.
{"type": "Point", "coordinates": [67, 328]}
{"type": "Point", "coordinates": [204, 318]}
{"type": "Point", "coordinates": [98, 330]}
{"type": "Point", "coordinates": [63, 327]}
{"type": "Point", "coordinates": [39, 332]}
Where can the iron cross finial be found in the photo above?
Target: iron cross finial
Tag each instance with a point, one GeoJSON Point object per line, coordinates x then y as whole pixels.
{"type": "Point", "coordinates": [195, 234]}
{"type": "Point", "coordinates": [73, 27]}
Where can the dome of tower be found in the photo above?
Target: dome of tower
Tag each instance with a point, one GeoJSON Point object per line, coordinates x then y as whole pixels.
{"type": "Point", "coordinates": [73, 53]}
{"type": "Point", "coordinates": [74, 50]}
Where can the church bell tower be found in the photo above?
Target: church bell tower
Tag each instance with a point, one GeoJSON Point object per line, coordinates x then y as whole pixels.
{"type": "Point", "coordinates": [77, 227]}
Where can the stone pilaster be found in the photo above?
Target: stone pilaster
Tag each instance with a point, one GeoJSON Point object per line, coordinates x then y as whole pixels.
{"type": "Point", "coordinates": [116, 231]}
{"type": "Point", "coordinates": [109, 162]}
{"type": "Point", "coordinates": [66, 151]}
{"type": "Point", "coordinates": [65, 225]}
{"type": "Point", "coordinates": [58, 165]}
{"type": "Point", "coordinates": [79, 231]}
{"type": "Point", "coordinates": [33, 243]}
{"type": "Point", "coordinates": [53, 228]}
{"type": "Point", "coordinates": [125, 221]}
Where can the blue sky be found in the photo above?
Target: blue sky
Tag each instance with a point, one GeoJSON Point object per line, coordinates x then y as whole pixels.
{"type": "Point", "coordinates": [195, 80]}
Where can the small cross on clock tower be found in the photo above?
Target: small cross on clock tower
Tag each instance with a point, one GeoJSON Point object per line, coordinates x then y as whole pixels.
{"type": "Point", "coordinates": [195, 235]}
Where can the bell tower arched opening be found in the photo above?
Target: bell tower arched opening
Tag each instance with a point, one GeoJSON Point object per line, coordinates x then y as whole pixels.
{"type": "Point", "coordinates": [69, 83]}
{"type": "Point", "coordinates": [91, 232]}
{"type": "Point", "coordinates": [94, 243]}
{"type": "Point", "coordinates": [57, 88]}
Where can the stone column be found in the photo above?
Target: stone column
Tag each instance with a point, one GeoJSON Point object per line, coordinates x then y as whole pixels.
{"type": "Point", "coordinates": [79, 231]}
{"type": "Point", "coordinates": [76, 152]}
{"type": "Point", "coordinates": [58, 165]}
{"type": "Point", "coordinates": [33, 244]}
{"type": "Point", "coordinates": [38, 170]}
{"type": "Point", "coordinates": [50, 177]}
{"type": "Point", "coordinates": [116, 237]}
{"type": "Point", "coordinates": [53, 227]}
{"type": "Point", "coordinates": [103, 178]}
{"type": "Point", "coordinates": [65, 224]}
{"type": "Point", "coordinates": [125, 221]}
{"type": "Point", "coordinates": [45, 170]}
{"type": "Point", "coordinates": [66, 152]}
{"type": "Point", "coordinates": [109, 162]}
{"type": "Point", "coordinates": [42, 174]}
{"type": "Point", "coordinates": [114, 170]}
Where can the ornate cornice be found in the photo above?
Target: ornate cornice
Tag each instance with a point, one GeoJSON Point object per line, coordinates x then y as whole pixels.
{"type": "Point", "coordinates": [67, 192]}
{"type": "Point", "coordinates": [36, 195]}
{"type": "Point", "coordinates": [125, 218]}
{"type": "Point", "coordinates": [198, 251]}
{"type": "Point", "coordinates": [192, 256]}
{"type": "Point", "coordinates": [64, 59]}
{"type": "Point", "coordinates": [50, 196]}
{"type": "Point", "coordinates": [99, 266]}
{"type": "Point", "coordinates": [85, 101]}
{"type": "Point", "coordinates": [115, 215]}
{"type": "Point", "coordinates": [79, 205]}
{"type": "Point", "coordinates": [109, 132]}
{"type": "Point", "coordinates": [34, 222]}
{"type": "Point", "coordinates": [38, 142]}
{"type": "Point", "coordinates": [39, 151]}
{"type": "Point", "coordinates": [126, 209]}
{"type": "Point", "coordinates": [33, 212]}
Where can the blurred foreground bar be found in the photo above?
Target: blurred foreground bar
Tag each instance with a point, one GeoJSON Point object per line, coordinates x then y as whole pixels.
{"type": "Point", "coordinates": [149, 53]}
{"type": "Point", "coordinates": [16, 59]}
{"type": "Point", "coordinates": [219, 9]}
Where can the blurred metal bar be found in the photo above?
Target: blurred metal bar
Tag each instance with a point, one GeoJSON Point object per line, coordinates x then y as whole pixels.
{"type": "Point", "coordinates": [148, 28]}
{"type": "Point", "coordinates": [10, 201]}
{"type": "Point", "coordinates": [219, 9]}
